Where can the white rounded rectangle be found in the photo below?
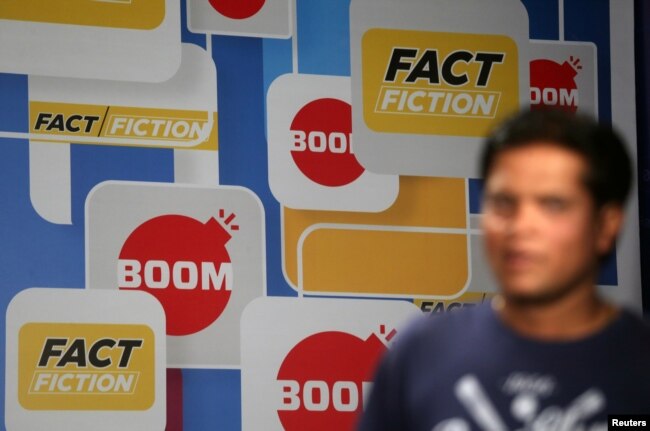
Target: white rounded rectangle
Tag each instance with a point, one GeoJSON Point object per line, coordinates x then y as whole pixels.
{"type": "Point", "coordinates": [79, 360]}
{"type": "Point", "coordinates": [200, 250]}
{"type": "Point", "coordinates": [429, 78]}
{"type": "Point", "coordinates": [312, 162]}
{"type": "Point", "coordinates": [119, 42]}
{"type": "Point", "coordinates": [294, 348]}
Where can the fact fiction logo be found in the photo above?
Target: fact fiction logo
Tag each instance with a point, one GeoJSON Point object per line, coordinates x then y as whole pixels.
{"type": "Point", "coordinates": [437, 83]}
{"type": "Point", "coordinates": [123, 125]}
{"type": "Point", "coordinates": [185, 264]}
{"type": "Point", "coordinates": [86, 366]}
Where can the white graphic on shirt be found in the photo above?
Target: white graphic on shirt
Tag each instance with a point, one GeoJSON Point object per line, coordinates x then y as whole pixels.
{"type": "Point", "coordinates": [525, 406]}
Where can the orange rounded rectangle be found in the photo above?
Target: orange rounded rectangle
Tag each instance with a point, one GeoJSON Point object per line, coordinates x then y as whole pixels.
{"type": "Point", "coordinates": [384, 262]}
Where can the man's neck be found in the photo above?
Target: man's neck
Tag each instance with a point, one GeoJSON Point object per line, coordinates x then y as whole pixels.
{"type": "Point", "coordinates": [576, 315]}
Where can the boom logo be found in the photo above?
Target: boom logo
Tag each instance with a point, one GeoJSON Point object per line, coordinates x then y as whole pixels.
{"type": "Point", "coordinates": [325, 379]}
{"type": "Point", "coordinates": [183, 263]}
{"type": "Point", "coordinates": [554, 85]}
{"type": "Point", "coordinates": [237, 9]}
{"type": "Point", "coordinates": [321, 143]}
{"type": "Point", "coordinates": [437, 83]}
{"type": "Point", "coordinates": [86, 366]}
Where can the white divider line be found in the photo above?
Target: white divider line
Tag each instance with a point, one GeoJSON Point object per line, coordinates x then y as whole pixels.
{"type": "Point", "coordinates": [560, 7]}
{"type": "Point", "coordinates": [14, 135]}
{"type": "Point", "coordinates": [294, 39]}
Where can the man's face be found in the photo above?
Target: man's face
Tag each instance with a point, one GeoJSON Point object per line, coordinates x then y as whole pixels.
{"type": "Point", "coordinates": [540, 225]}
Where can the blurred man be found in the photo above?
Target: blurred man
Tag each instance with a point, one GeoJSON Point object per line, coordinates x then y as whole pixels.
{"type": "Point", "coordinates": [548, 353]}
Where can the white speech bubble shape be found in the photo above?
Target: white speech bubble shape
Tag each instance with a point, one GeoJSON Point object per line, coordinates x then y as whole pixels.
{"type": "Point", "coordinates": [194, 87]}
{"type": "Point", "coordinates": [272, 326]}
{"type": "Point", "coordinates": [78, 306]}
{"type": "Point", "coordinates": [96, 49]}
{"type": "Point", "coordinates": [409, 145]}
{"type": "Point", "coordinates": [107, 230]}
{"type": "Point", "coordinates": [370, 192]}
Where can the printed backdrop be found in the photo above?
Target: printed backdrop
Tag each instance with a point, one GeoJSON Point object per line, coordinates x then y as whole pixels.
{"type": "Point", "coordinates": [219, 214]}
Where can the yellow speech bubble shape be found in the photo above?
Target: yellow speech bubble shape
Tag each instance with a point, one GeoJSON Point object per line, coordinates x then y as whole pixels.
{"type": "Point", "coordinates": [419, 246]}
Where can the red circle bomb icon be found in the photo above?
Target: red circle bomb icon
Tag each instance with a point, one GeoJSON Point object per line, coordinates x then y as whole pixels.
{"type": "Point", "coordinates": [237, 9]}
{"type": "Point", "coordinates": [321, 143]}
{"type": "Point", "coordinates": [553, 85]}
{"type": "Point", "coordinates": [184, 263]}
{"type": "Point", "coordinates": [325, 379]}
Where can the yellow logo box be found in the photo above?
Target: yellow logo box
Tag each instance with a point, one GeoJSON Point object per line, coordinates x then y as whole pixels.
{"type": "Point", "coordinates": [71, 366]}
{"type": "Point", "coordinates": [140, 15]}
{"type": "Point", "coordinates": [121, 125]}
{"type": "Point", "coordinates": [437, 83]}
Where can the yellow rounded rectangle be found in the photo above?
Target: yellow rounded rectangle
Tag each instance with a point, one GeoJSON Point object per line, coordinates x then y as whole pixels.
{"type": "Point", "coordinates": [423, 203]}
{"type": "Point", "coordinates": [386, 262]}
{"type": "Point", "coordinates": [131, 14]}
{"type": "Point", "coordinates": [437, 83]}
{"type": "Point", "coordinates": [75, 366]}
{"type": "Point", "coordinates": [123, 125]}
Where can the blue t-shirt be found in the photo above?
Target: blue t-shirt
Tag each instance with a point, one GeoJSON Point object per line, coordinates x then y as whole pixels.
{"type": "Point", "coordinates": [468, 371]}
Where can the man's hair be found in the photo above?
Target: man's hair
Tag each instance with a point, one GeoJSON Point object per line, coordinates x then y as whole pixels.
{"type": "Point", "coordinates": [609, 172]}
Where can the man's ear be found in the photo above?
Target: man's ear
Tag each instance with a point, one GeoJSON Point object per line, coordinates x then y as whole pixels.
{"type": "Point", "coordinates": [610, 220]}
